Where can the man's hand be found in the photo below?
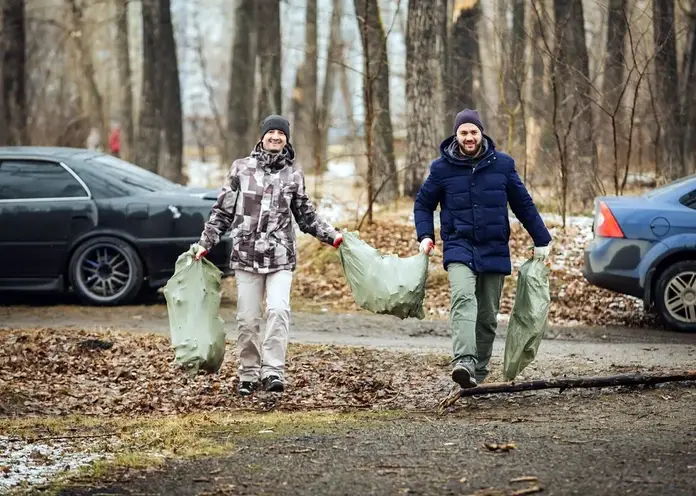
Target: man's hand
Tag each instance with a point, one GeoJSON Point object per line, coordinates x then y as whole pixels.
{"type": "Point", "coordinates": [427, 245]}
{"type": "Point", "coordinates": [542, 252]}
{"type": "Point", "coordinates": [200, 252]}
{"type": "Point", "coordinates": [337, 242]}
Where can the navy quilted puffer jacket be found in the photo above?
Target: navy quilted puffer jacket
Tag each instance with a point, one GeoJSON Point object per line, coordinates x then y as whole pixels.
{"type": "Point", "coordinates": [473, 194]}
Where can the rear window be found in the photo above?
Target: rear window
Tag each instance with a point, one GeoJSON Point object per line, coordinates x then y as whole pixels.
{"type": "Point", "coordinates": [689, 199]}
{"type": "Point", "coordinates": [113, 177]}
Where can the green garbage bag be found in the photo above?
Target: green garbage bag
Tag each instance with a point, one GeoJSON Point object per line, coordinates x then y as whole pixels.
{"type": "Point", "coordinates": [529, 317]}
{"type": "Point", "coordinates": [193, 302]}
{"type": "Point", "coordinates": [384, 284]}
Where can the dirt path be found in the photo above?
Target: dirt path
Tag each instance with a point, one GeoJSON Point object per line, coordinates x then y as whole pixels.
{"type": "Point", "coordinates": [586, 443]}
{"type": "Point", "coordinates": [567, 350]}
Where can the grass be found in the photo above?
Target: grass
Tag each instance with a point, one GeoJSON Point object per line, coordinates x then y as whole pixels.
{"type": "Point", "coordinates": [146, 442]}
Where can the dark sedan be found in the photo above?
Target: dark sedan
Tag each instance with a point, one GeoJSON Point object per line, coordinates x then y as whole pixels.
{"type": "Point", "coordinates": [646, 247]}
{"type": "Point", "coordinates": [72, 219]}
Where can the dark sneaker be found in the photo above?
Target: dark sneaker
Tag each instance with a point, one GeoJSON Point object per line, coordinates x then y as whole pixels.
{"type": "Point", "coordinates": [246, 388]}
{"type": "Point", "coordinates": [273, 384]}
{"type": "Point", "coordinates": [463, 373]}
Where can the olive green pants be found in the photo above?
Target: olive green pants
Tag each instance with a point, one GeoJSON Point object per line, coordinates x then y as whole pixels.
{"type": "Point", "coordinates": [475, 301]}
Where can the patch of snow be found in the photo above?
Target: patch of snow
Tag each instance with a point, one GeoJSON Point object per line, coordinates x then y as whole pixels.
{"type": "Point", "coordinates": [340, 169]}
{"type": "Point", "coordinates": [204, 174]}
{"type": "Point", "coordinates": [37, 463]}
{"type": "Point", "coordinates": [335, 211]}
{"type": "Point", "coordinates": [580, 221]}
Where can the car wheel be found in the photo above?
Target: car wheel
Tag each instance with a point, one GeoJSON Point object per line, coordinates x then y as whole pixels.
{"type": "Point", "coordinates": [106, 271]}
{"type": "Point", "coordinates": [676, 296]}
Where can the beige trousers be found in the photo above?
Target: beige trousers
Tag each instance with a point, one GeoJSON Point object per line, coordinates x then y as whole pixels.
{"type": "Point", "coordinates": [260, 356]}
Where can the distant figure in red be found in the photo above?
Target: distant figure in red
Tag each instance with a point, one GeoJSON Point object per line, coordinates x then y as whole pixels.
{"type": "Point", "coordinates": [115, 141]}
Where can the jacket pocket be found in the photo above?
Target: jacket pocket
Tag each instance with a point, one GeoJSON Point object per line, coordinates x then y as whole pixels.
{"type": "Point", "coordinates": [242, 248]}
{"type": "Point", "coordinates": [287, 245]}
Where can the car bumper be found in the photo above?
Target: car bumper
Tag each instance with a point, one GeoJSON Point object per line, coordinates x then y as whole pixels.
{"type": "Point", "coordinates": [613, 264]}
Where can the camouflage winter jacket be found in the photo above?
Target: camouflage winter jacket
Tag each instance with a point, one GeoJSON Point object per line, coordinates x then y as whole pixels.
{"type": "Point", "coordinates": [261, 194]}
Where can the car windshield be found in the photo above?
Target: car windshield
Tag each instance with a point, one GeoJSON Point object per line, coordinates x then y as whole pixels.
{"type": "Point", "coordinates": [136, 178]}
{"type": "Point", "coordinates": [668, 188]}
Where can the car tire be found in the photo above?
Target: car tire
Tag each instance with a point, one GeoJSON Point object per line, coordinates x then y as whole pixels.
{"type": "Point", "coordinates": [105, 271]}
{"type": "Point", "coordinates": [675, 296]}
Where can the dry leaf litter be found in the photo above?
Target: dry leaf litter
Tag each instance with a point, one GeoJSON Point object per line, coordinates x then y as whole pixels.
{"type": "Point", "coordinates": [320, 279]}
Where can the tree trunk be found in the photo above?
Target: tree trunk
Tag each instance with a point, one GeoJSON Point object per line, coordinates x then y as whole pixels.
{"type": "Point", "coordinates": [347, 96]}
{"type": "Point", "coordinates": [3, 117]}
{"type": "Point", "coordinates": [667, 84]}
{"type": "Point", "coordinates": [689, 93]}
{"type": "Point", "coordinates": [172, 166]}
{"type": "Point", "coordinates": [13, 50]}
{"type": "Point", "coordinates": [376, 94]}
{"type": "Point", "coordinates": [513, 72]}
{"type": "Point", "coordinates": [148, 141]}
{"type": "Point", "coordinates": [269, 52]}
{"type": "Point", "coordinates": [424, 99]}
{"type": "Point", "coordinates": [615, 61]}
{"type": "Point", "coordinates": [84, 51]}
{"type": "Point", "coordinates": [464, 58]}
{"type": "Point", "coordinates": [445, 63]}
{"type": "Point", "coordinates": [334, 52]}
{"type": "Point", "coordinates": [125, 91]}
{"type": "Point", "coordinates": [241, 129]}
{"type": "Point", "coordinates": [305, 120]}
{"type": "Point", "coordinates": [359, 158]}
{"type": "Point", "coordinates": [573, 74]}
{"type": "Point", "coordinates": [539, 104]}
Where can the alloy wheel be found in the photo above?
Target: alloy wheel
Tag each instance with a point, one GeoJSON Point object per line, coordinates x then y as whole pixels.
{"type": "Point", "coordinates": [104, 271]}
{"type": "Point", "coordinates": [680, 297]}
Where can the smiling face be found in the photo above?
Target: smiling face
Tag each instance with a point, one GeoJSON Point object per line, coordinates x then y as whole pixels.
{"type": "Point", "coordinates": [274, 140]}
{"type": "Point", "coordinates": [469, 138]}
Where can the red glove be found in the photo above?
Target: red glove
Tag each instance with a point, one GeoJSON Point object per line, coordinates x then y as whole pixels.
{"type": "Point", "coordinates": [200, 252]}
{"type": "Point", "coordinates": [337, 242]}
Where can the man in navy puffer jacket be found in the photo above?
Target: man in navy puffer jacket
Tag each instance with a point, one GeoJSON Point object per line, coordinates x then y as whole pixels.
{"type": "Point", "coordinates": [473, 184]}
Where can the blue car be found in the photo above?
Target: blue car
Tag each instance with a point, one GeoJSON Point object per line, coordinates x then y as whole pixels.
{"type": "Point", "coordinates": [645, 246]}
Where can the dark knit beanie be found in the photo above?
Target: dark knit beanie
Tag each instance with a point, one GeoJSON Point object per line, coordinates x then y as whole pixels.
{"type": "Point", "coordinates": [277, 122]}
{"type": "Point", "coordinates": [467, 116]}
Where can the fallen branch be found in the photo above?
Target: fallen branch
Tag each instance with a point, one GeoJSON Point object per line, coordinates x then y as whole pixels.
{"type": "Point", "coordinates": [568, 383]}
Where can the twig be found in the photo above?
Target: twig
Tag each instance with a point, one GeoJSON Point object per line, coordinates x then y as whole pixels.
{"type": "Point", "coordinates": [528, 478]}
{"type": "Point", "coordinates": [528, 490]}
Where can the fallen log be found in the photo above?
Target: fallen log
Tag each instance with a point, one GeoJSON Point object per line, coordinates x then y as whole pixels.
{"type": "Point", "coordinates": [568, 383]}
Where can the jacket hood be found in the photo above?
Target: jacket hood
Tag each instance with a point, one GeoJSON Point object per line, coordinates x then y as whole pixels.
{"type": "Point", "coordinates": [449, 150]}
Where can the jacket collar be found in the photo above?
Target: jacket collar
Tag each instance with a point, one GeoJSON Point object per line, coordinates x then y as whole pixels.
{"type": "Point", "coordinates": [274, 161]}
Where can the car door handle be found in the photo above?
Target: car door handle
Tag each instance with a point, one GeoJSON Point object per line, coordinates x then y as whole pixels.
{"type": "Point", "coordinates": [176, 213]}
{"type": "Point", "coordinates": [80, 217]}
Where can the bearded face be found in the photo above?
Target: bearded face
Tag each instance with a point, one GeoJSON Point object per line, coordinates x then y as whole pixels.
{"type": "Point", "coordinates": [469, 138]}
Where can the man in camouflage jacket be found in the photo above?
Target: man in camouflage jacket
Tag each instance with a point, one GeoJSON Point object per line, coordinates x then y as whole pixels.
{"type": "Point", "coordinates": [261, 195]}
